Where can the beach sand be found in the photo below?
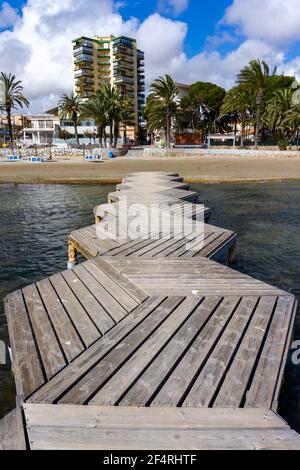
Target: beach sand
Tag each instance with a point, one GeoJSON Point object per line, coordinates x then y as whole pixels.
{"type": "Point", "coordinates": [201, 168]}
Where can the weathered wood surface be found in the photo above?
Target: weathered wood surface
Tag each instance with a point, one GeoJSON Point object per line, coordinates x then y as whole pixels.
{"type": "Point", "coordinates": [189, 277]}
{"type": "Point", "coordinates": [212, 243]}
{"type": "Point", "coordinates": [151, 323]}
{"type": "Point", "coordinates": [53, 321]}
{"type": "Point", "coordinates": [200, 349]}
{"type": "Point", "coordinates": [108, 428]}
{"type": "Point", "coordinates": [12, 434]}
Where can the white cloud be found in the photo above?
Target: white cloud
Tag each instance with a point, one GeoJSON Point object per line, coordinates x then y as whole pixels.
{"type": "Point", "coordinates": [211, 66]}
{"type": "Point", "coordinates": [8, 16]}
{"type": "Point", "coordinates": [162, 40]}
{"type": "Point", "coordinates": [274, 21]}
{"type": "Point", "coordinates": [38, 48]}
{"type": "Point", "coordinates": [175, 7]}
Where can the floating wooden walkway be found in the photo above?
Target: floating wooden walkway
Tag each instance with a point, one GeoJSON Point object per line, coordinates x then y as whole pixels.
{"type": "Point", "coordinates": [172, 349]}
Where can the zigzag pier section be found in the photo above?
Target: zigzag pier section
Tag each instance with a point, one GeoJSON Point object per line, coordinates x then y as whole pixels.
{"type": "Point", "coordinates": [152, 342]}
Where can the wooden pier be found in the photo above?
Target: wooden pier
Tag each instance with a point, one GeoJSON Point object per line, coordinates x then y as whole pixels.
{"type": "Point", "coordinates": [150, 343]}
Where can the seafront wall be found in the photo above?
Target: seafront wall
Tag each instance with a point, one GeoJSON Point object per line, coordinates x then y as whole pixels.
{"type": "Point", "coordinates": [192, 152]}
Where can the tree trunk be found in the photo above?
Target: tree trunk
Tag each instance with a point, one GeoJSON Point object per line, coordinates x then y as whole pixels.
{"type": "Point", "coordinates": [125, 135]}
{"type": "Point", "coordinates": [10, 128]}
{"type": "Point", "coordinates": [100, 134]}
{"type": "Point", "coordinates": [116, 134]}
{"type": "Point", "coordinates": [105, 136]}
{"type": "Point", "coordinates": [243, 129]}
{"type": "Point", "coordinates": [259, 98]}
{"type": "Point", "coordinates": [76, 132]}
{"type": "Point", "coordinates": [235, 129]}
{"type": "Point", "coordinates": [111, 134]}
{"type": "Point", "coordinates": [168, 129]}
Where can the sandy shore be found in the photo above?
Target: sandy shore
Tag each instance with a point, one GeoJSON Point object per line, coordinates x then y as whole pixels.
{"type": "Point", "coordinates": [204, 168]}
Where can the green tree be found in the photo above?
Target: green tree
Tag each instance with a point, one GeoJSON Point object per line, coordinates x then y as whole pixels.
{"type": "Point", "coordinates": [201, 107]}
{"type": "Point", "coordinates": [258, 80]}
{"type": "Point", "coordinates": [96, 108]}
{"type": "Point", "coordinates": [127, 116]}
{"type": "Point", "coordinates": [64, 134]}
{"type": "Point", "coordinates": [69, 108]}
{"type": "Point", "coordinates": [12, 91]}
{"type": "Point", "coordinates": [112, 99]}
{"type": "Point", "coordinates": [237, 103]}
{"type": "Point", "coordinates": [161, 109]}
{"type": "Point", "coordinates": [276, 111]}
{"type": "Point", "coordinates": [292, 120]}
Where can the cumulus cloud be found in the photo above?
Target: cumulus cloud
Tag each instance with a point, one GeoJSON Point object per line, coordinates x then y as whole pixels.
{"type": "Point", "coordinates": [175, 7]}
{"type": "Point", "coordinates": [162, 40]}
{"type": "Point", "coordinates": [274, 21]}
{"type": "Point", "coordinates": [8, 16]}
{"type": "Point", "coordinates": [38, 47]}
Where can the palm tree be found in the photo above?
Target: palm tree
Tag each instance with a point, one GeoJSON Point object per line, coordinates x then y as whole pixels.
{"type": "Point", "coordinates": [64, 134]}
{"type": "Point", "coordinates": [112, 102]}
{"type": "Point", "coordinates": [292, 119]}
{"type": "Point", "coordinates": [237, 102]}
{"type": "Point", "coordinates": [12, 91]}
{"type": "Point", "coordinates": [161, 108]}
{"type": "Point", "coordinates": [96, 108]}
{"type": "Point", "coordinates": [277, 109]}
{"type": "Point", "coordinates": [69, 107]}
{"type": "Point", "coordinates": [126, 115]}
{"type": "Point", "coordinates": [256, 78]}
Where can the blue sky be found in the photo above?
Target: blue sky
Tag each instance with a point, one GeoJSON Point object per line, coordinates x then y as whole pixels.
{"type": "Point", "coordinates": [201, 16]}
{"type": "Point", "coordinates": [189, 39]}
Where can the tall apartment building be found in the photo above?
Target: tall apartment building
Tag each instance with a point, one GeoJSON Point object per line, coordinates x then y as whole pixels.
{"type": "Point", "coordinates": [110, 60]}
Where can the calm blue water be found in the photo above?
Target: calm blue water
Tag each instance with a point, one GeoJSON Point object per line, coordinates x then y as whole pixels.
{"type": "Point", "coordinates": [36, 219]}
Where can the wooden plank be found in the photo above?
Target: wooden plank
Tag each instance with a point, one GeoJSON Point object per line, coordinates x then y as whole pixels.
{"type": "Point", "coordinates": [237, 378]}
{"type": "Point", "coordinates": [271, 358]}
{"type": "Point", "coordinates": [127, 417]}
{"type": "Point", "coordinates": [66, 333]}
{"type": "Point", "coordinates": [96, 312]}
{"type": "Point", "coordinates": [174, 389]}
{"type": "Point", "coordinates": [82, 322]}
{"type": "Point", "coordinates": [12, 434]}
{"type": "Point", "coordinates": [83, 363]}
{"type": "Point", "coordinates": [101, 439]}
{"type": "Point", "coordinates": [48, 346]}
{"type": "Point", "coordinates": [204, 388]}
{"type": "Point", "coordinates": [90, 383]}
{"type": "Point", "coordinates": [110, 304]}
{"type": "Point", "coordinates": [27, 368]}
{"type": "Point", "coordinates": [161, 367]}
{"type": "Point", "coordinates": [111, 392]}
{"type": "Point", "coordinates": [69, 427]}
{"type": "Point", "coordinates": [131, 288]}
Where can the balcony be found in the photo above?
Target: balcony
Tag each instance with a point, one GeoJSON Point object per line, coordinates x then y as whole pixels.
{"type": "Point", "coordinates": [124, 79]}
{"type": "Point", "coordinates": [83, 43]}
{"type": "Point", "coordinates": [123, 50]}
{"type": "Point", "coordinates": [119, 71]}
{"type": "Point", "coordinates": [103, 62]}
{"type": "Point", "coordinates": [83, 58]}
{"type": "Point", "coordinates": [84, 83]}
{"type": "Point", "coordinates": [104, 81]}
{"type": "Point", "coordinates": [126, 42]}
{"type": "Point", "coordinates": [82, 50]}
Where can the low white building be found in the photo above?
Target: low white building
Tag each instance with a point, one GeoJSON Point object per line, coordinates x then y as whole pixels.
{"type": "Point", "coordinates": [39, 129]}
{"type": "Point", "coordinates": [183, 90]}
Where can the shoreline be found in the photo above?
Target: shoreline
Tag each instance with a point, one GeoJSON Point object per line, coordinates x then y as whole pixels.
{"type": "Point", "coordinates": [113, 181]}
{"type": "Point", "coordinates": [198, 169]}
